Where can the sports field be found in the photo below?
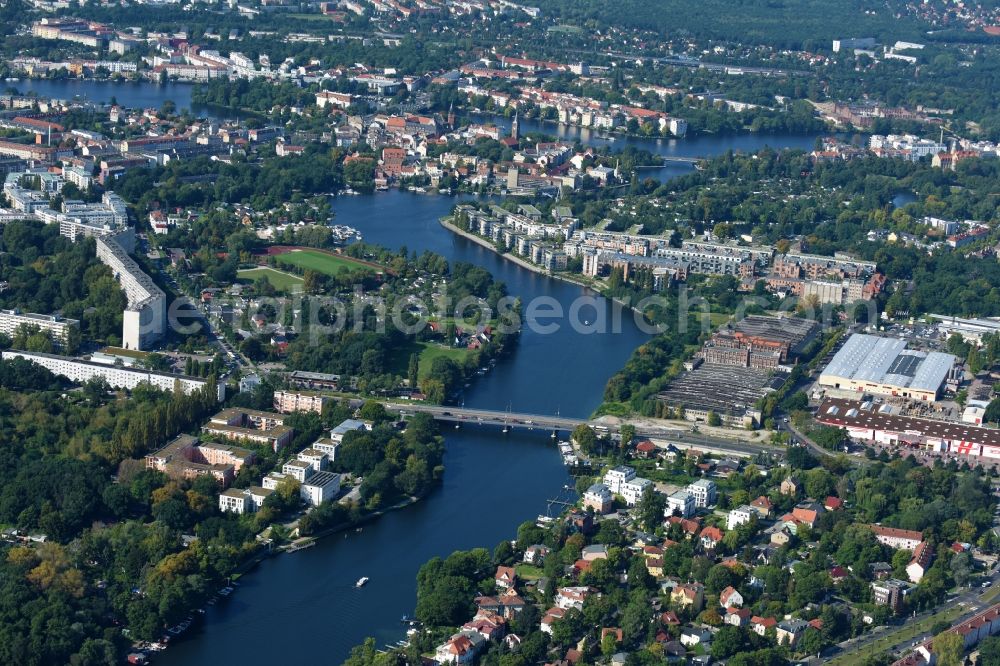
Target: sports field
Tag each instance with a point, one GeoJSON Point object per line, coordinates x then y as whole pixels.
{"type": "Point", "coordinates": [321, 262]}
{"type": "Point", "coordinates": [278, 279]}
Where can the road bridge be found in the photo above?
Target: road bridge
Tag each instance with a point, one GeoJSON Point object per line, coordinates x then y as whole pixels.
{"type": "Point", "coordinates": [509, 420]}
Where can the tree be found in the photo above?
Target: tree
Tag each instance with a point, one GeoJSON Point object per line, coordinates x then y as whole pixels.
{"type": "Point", "coordinates": [713, 419]}
{"type": "Point", "coordinates": [961, 569]}
{"type": "Point", "coordinates": [448, 602]}
{"type": "Point", "coordinates": [992, 413]}
{"type": "Point", "coordinates": [413, 370]}
{"type": "Point", "coordinates": [585, 438]}
{"type": "Point", "coordinates": [811, 642]}
{"type": "Point", "coordinates": [949, 648]}
{"type": "Point", "coordinates": [989, 651]}
{"type": "Point", "coordinates": [373, 411]}
{"type": "Point", "coordinates": [627, 434]}
{"type": "Point", "coordinates": [650, 508]}
{"type": "Point", "coordinates": [728, 641]}
{"type": "Point", "coordinates": [609, 644]}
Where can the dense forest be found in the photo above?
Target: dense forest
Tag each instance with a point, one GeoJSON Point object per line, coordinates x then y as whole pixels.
{"type": "Point", "coordinates": [798, 24]}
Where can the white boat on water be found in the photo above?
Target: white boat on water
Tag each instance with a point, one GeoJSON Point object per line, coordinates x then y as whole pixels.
{"type": "Point", "coordinates": [361, 581]}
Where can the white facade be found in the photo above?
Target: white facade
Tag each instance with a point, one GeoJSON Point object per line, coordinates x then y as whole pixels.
{"type": "Point", "coordinates": [326, 446]}
{"type": "Point", "coordinates": [299, 470]}
{"type": "Point", "coordinates": [632, 490]}
{"type": "Point", "coordinates": [79, 371]}
{"type": "Point", "coordinates": [58, 327]}
{"type": "Point", "coordinates": [320, 487]}
{"type": "Point", "coordinates": [614, 478]}
{"type": "Point", "coordinates": [681, 501]}
{"type": "Point", "coordinates": [741, 515]}
{"type": "Point", "coordinates": [271, 481]}
{"type": "Point", "coordinates": [314, 458]}
{"type": "Point", "coordinates": [704, 492]}
{"type": "Point", "coordinates": [144, 320]}
{"type": "Point", "coordinates": [235, 501]}
{"type": "Point", "coordinates": [337, 433]}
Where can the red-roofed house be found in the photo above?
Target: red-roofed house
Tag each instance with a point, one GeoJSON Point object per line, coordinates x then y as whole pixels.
{"type": "Point", "coordinates": [711, 537]}
{"type": "Point", "coordinates": [738, 617]}
{"type": "Point", "coordinates": [763, 506]}
{"type": "Point", "coordinates": [612, 631]}
{"type": "Point", "coordinates": [760, 625]}
{"type": "Point", "coordinates": [506, 578]}
{"type": "Point", "coordinates": [921, 561]}
{"type": "Point", "coordinates": [459, 649]}
{"type": "Point", "coordinates": [806, 516]}
{"type": "Point", "coordinates": [670, 619]}
{"type": "Point", "coordinates": [645, 449]}
{"type": "Point", "coordinates": [730, 597]}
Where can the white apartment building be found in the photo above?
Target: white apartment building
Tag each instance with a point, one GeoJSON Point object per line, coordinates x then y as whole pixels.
{"type": "Point", "coordinates": [271, 481]}
{"type": "Point", "coordinates": [243, 500]}
{"type": "Point", "coordinates": [57, 326]}
{"type": "Point", "coordinates": [79, 370]}
{"type": "Point", "coordinates": [235, 500]}
{"type": "Point", "coordinates": [896, 538]}
{"type": "Point", "coordinates": [83, 219]}
{"type": "Point", "coordinates": [327, 447]}
{"type": "Point", "coordinates": [316, 459]}
{"type": "Point", "coordinates": [632, 490]}
{"type": "Point", "coordinates": [320, 487]}
{"type": "Point", "coordinates": [704, 492]}
{"type": "Point", "coordinates": [144, 320]}
{"type": "Point", "coordinates": [741, 515]}
{"type": "Point", "coordinates": [79, 176]}
{"type": "Point", "coordinates": [299, 470]}
{"type": "Point", "coordinates": [682, 502]}
{"type": "Point", "coordinates": [614, 478]}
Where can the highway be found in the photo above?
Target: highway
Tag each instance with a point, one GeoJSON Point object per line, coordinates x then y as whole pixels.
{"type": "Point", "coordinates": [487, 417]}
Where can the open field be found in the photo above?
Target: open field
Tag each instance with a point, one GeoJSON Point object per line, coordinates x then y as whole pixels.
{"type": "Point", "coordinates": [278, 279]}
{"type": "Point", "coordinates": [399, 360]}
{"type": "Point", "coordinates": [321, 262]}
{"type": "Point", "coordinates": [433, 351]}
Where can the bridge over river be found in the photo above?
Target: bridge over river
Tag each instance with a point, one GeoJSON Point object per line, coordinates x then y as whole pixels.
{"type": "Point", "coordinates": [509, 420]}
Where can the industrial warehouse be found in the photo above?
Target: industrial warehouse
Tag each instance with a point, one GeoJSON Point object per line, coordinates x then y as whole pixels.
{"type": "Point", "coordinates": [870, 421]}
{"type": "Point", "coordinates": [740, 364]}
{"type": "Point", "coordinates": [884, 366]}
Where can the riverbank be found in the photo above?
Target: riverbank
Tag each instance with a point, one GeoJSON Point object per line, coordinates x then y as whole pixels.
{"type": "Point", "coordinates": [523, 263]}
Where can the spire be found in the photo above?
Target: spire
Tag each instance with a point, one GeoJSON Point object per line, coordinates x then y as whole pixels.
{"type": "Point", "coordinates": [515, 128]}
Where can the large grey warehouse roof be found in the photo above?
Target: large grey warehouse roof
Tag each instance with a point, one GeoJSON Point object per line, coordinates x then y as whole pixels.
{"type": "Point", "coordinates": [878, 360]}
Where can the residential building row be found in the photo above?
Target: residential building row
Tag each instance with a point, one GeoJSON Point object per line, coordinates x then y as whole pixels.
{"type": "Point", "coordinates": [80, 370]}
{"type": "Point", "coordinates": [309, 467]}
{"type": "Point", "coordinates": [59, 328]}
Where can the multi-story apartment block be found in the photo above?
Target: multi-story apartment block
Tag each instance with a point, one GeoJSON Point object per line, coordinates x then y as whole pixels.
{"type": "Point", "coordinates": [287, 402]}
{"type": "Point", "coordinates": [79, 370]}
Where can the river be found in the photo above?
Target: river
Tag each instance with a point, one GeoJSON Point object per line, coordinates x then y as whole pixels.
{"type": "Point", "coordinates": [704, 145]}
{"type": "Point", "coordinates": [304, 606]}
{"type": "Point", "coordinates": [131, 94]}
{"type": "Point", "coordinates": [492, 483]}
